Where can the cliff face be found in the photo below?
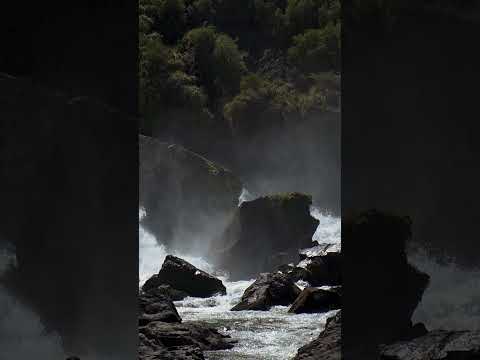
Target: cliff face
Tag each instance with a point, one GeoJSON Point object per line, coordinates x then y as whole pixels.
{"type": "Point", "coordinates": [67, 174]}
{"type": "Point", "coordinates": [187, 198]}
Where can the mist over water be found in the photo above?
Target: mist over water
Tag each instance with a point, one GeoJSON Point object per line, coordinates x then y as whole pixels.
{"type": "Point", "coordinates": [262, 335]}
{"type": "Point", "coordinates": [452, 300]}
{"type": "Point", "coordinates": [22, 334]}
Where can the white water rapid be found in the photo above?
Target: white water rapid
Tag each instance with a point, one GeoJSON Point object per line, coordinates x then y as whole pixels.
{"type": "Point", "coordinates": [265, 335]}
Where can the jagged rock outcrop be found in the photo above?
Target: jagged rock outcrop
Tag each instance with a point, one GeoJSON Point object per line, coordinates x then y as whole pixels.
{"type": "Point", "coordinates": [322, 264]}
{"type": "Point", "coordinates": [313, 300]}
{"type": "Point", "coordinates": [268, 290]}
{"type": "Point", "coordinates": [295, 273]}
{"type": "Point", "coordinates": [179, 341]}
{"type": "Point", "coordinates": [156, 308]}
{"type": "Point", "coordinates": [393, 295]}
{"type": "Point", "coordinates": [183, 193]}
{"type": "Point", "coordinates": [167, 291]}
{"type": "Point", "coordinates": [261, 228]}
{"type": "Point", "coordinates": [185, 277]}
{"type": "Point", "coordinates": [164, 336]}
{"type": "Point", "coordinates": [436, 345]}
{"type": "Point", "coordinates": [328, 344]}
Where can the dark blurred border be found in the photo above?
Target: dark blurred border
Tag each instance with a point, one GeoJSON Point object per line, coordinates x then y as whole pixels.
{"type": "Point", "coordinates": [69, 168]}
{"type": "Point", "coordinates": [410, 78]}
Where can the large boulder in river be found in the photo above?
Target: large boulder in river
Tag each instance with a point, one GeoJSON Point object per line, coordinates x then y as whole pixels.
{"type": "Point", "coordinates": [185, 277]}
{"type": "Point", "coordinates": [436, 345]}
{"type": "Point", "coordinates": [312, 300]}
{"type": "Point", "coordinates": [328, 344]}
{"type": "Point", "coordinates": [184, 194]}
{"type": "Point", "coordinates": [268, 290]}
{"type": "Point", "coordinates": [392, 296]}
{"type": "Point", "coordinates": [271, 225]}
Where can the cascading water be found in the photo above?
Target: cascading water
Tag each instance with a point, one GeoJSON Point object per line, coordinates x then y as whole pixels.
{"type": "Point", "coordinates": [265, 335]}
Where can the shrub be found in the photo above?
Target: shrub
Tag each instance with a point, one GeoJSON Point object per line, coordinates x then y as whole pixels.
{"type": "Point", "coordinates": [317, 49]}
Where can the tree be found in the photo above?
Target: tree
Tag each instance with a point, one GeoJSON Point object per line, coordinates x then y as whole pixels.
{"type": "Point", "coordinates": [215, 59]}
{"type": "Point", "coordinates": [168, 17]}
{"type": "Point", "coordinates": [301, 15]}
{"type": "Point", "coordinates": [317, 49]}
{"type": "Point", "coordinates": [229, 64]}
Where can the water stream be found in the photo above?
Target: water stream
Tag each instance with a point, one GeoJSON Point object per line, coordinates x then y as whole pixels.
{"type": "Point", "coordinates": [265, 335]}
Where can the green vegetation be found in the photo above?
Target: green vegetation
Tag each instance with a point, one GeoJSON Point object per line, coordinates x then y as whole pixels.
{"type": "Point", "coordinates": [235, 66]}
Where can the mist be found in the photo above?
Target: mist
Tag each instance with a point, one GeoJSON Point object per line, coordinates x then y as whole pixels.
{"type": "Point", "coordinates": [22, 334]}
{"type": "Point", "coordinates": [302, 157]}
{"type": "Point", "coordinates": [452, 298]}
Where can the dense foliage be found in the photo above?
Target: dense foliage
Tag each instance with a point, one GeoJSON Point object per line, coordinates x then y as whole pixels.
{"type": "Point", "coordinates": [236, 66]}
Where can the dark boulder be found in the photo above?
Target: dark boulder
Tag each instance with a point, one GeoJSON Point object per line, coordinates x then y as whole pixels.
{"type": "Point", "coordinates": [328, 344]}
{"type": "Point", "coordinates": [156, 308]}
{"type": "Point", "coordinates": [436, 345]}
{"type": "Point", "coordinates": [322, 270]}
{"type": "Point", "coordinates": [317, 249]}
{"type": "Point", "coordinates": [322, 264]}
{"type": "Point", "coordinates": [185, 277]}
{"type": "Point", "coordinates": [313, 300]}
{"type": "Point", "coordinates": [268, 290]}
{"type": "Point", "coordinates": [263, 231]}
{"type": "Point", "coordinates": [168, 292]}
{"type": "Point", "coordinates": [183, 192]}
{"type": "Point", "coordinates": [396, 291]}
{"type": "Point", "coordinates": [295, 273]}
{"type": "Point", "coordinates": [186, 341]}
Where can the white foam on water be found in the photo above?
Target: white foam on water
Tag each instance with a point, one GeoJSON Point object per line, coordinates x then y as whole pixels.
{"type": "Point", "coordinates": [245, 195]}
{"type": "Point", "coordinates": [266, 335]}
{"type": "Point", "coordinates": [329, 230]}
{"type": "Point", "coordinates": [152, 254]}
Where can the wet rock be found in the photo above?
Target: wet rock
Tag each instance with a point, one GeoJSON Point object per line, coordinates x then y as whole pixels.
{"type": "Point", "coordinates": [156, 308]}
{"type": "Point", "coordinates": [160, 340]}
{"type": "Point", "coordinates": [328, 344]}
{"type": "Point", "coordinates": [322, 264]}
{"type": "Point", "coordinates": [169, 292]}
{"type": "Point", "coordinates": [313, 300]}
{"type": "Point", "coordinates": [263, 232]}
{"type": "Point", "coordinates": [185, 277]}
{"type": "Point", "coordinates": [268, 290]}
{"type": "Point", "coordinates": [317, 249]}
{"type": "Point", "coordinates": [295, 273]}
{"type": "Point", "coordinates": [183, 192]}
{"type": "Point", "coordinates": [436, 345]}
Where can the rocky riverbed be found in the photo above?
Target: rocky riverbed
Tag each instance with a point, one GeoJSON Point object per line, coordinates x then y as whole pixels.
{"type": "Point", "coordinates": [270, 332]}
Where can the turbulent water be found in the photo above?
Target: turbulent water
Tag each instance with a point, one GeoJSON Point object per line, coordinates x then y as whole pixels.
{"type": "Point", "coordinates": [265, 335]}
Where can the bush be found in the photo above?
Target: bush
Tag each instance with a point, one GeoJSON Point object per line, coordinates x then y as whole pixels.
{"type": "Point", "coordinates": [215, 59]}
{"type": "Point", "coordinates": [229, 64]}
{"type": "Point", "coordinates": [301, 15]}
{"type": "Point", "coordinates": [167, 16]}
{"type": "Point", "coordinates": [317, 49]}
